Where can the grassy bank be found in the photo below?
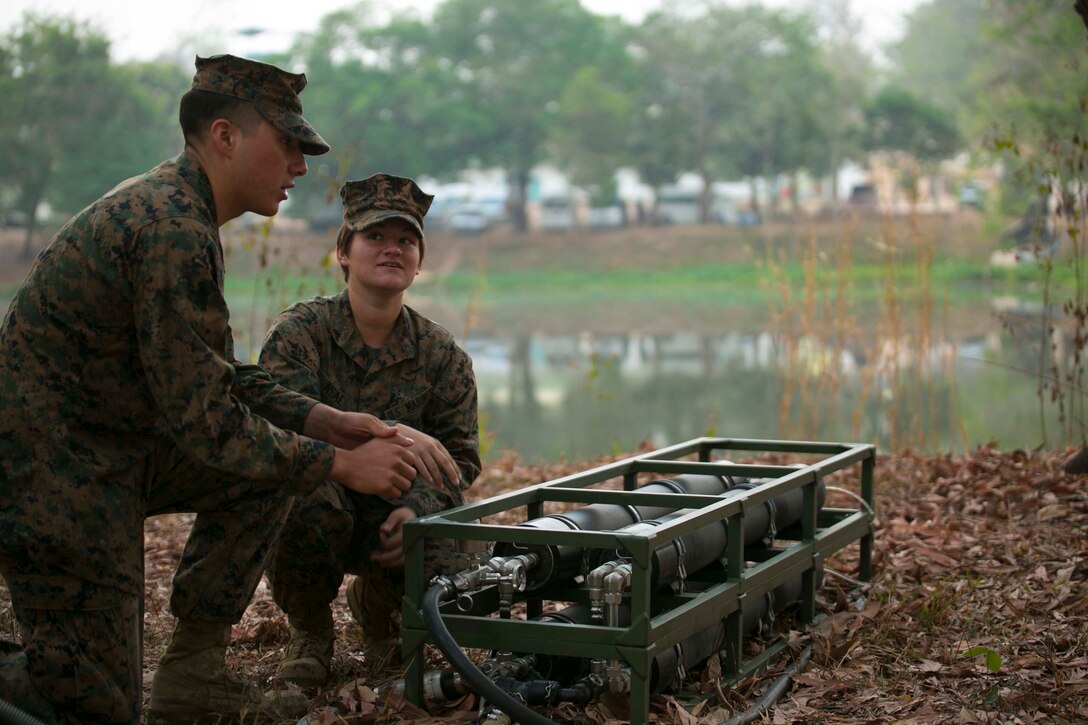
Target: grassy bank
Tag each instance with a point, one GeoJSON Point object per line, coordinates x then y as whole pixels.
{"type": "Point", "coordinates": [721, 265]}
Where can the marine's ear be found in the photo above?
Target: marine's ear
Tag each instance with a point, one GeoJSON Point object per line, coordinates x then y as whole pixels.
{"type": "Point", "coordinates": [223, 136]}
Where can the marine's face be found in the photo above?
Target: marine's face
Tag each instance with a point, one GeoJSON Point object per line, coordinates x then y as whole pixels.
{"type": "Point", "coordinates": [384, 256]}
{"type": "Point", "coordinates": [267, 163]}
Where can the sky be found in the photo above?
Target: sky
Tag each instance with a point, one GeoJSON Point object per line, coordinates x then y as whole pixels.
{"type": "Point", "coordinates": [143, 30]}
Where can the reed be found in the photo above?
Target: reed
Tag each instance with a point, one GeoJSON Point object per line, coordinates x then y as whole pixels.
{"type": "Point", "coordinates": [1054, 169]}
{"type": "Point", "coordinates": [887, 377]}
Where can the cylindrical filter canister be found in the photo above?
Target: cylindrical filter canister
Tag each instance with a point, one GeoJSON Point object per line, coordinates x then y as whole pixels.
{"type": "Point", "coordinates": [702, 547]}
{"type": "Point", "coordinates": [558, 563]}
{"type": "Point", "coordinates": [690, 652]}
{"type": "Point", "coordinates": [696, 649]}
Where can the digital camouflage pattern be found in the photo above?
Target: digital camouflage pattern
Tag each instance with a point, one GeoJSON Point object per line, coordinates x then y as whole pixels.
{"type": "Point", "coordinates": [383, 196]}
{"type": "Point", "coordinates": [421, 378]}
{"type": "Point", "coordinates": [120, 398]}
{"type": "Point", "coordinates": [271, 90]}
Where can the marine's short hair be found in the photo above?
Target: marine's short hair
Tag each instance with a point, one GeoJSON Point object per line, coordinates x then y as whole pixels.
{"type": "Point", "coordinates": [199, 108]}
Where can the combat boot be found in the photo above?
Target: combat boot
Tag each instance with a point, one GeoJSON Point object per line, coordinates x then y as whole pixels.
{"type": "Point", "coordinates": [308, 653]}
{"type": "Point", "coordinates": [375, 608]}
{"type": "Point", "coordinates": [193, 684]}
{"type": "Point", "coordinates": [17, 690]}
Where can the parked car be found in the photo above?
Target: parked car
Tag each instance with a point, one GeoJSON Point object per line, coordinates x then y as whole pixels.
{"type": "Point", "coordinates": [863, 197]}
{"type": "Point", "coordinates": [475, 217]}
{"type": "Point", "coordinates": [972, 195]}
{"type": "Point", "coordinates": [441, 210]}
{"type": "Point", "coordinates": [605, 217]}
{"type": "Point", "coordinates": [556, 215]}
{"type": "Point", "coordinates": [469, 219]}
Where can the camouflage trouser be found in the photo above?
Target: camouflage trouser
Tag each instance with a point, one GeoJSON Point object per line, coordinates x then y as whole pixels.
{"type": "Point", "coordinates": [83, 637]}
{"type": "Point", "coordinates": [331, 533]}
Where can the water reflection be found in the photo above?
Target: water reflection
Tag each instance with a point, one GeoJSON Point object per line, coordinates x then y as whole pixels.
{"type": "Point", "coordinates": [550, 396]}
{"type": "Point", "coordinates": [546, 393]}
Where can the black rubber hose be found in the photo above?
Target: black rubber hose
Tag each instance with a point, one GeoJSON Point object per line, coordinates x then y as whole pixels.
{"type": "Point", "coordinates": [773, 693]}
{"type": "Point", "coordinates": [11, 715]}
{"type": "Point", "coordinates": [477, 681]}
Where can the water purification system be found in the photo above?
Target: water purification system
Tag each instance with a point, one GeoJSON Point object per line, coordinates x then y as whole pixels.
{"type": "Point", "coordinates": [627, 591]}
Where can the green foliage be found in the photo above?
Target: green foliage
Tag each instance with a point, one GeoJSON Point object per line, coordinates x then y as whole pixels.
{"type": "Point", "coordinates": [1035, 105]}
{"type": "Point", "coordinates": [592, 134]}
{"type": "Point", "coordinates": [899, 121]}
{"type": "Point", "coordinates": [936, 59]}
{"type": "Point", "coordinates": [992, 658]}
{"type": "Point", "coordinates": [64, 103]}
{"type": "Point", "coordinates": [722, 90]}
{"type": "Point", "coordinates": [514, 62]}
{"type": "Point", "coordinates": [382, 102]}
{"type": "Point", "coordinates": [48, 74]}
{"type": "Point", "coordinates": [729, 92]}
{"type": "Point", "coordinates": [1030, 71]}
{"type": "Point", "coordinates": [851, 76]}
{"type": "Point", "coordinates": [1012, 72]}
{"type": "Point", "coordinates": [140, 132]}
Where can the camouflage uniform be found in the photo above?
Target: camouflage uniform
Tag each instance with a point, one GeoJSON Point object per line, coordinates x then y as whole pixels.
{"type": "Point", "coordinates": [120, 398]}
{"type": "Point", "coordinates": [421, 378]}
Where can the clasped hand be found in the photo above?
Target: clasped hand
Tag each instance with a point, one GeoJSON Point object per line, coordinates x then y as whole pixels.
{"type": "Point", "coordinates": [379, 459]}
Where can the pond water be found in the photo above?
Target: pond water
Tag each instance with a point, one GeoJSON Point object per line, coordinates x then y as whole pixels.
{"type": "Point", "coordinates": [548, 397]}
{"type": "Point", "coordinates": [562, 380]}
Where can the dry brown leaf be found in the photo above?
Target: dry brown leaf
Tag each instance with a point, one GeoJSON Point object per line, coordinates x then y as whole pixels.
{"type": "Point", "coordinates": [934, 555]}
{"type": "Point", "coordinates": [1011, 579]}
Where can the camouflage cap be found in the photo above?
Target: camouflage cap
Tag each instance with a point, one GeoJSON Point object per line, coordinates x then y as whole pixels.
{"type": "Point", "coordinates": [271, 90]}
{"type": "Point", "coordinates": [383, 196]}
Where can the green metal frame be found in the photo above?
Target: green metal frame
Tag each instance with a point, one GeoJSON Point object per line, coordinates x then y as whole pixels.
{"type": "Point", "coordinates": [820, 534]}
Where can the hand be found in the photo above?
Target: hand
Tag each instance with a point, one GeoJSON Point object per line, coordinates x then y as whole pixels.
{"type": "Point", "coordinates": [347, 430]}
{"type": "Point", "coordinates": [381, 466]}
{"type": "Point", "coordinates": [391, 538]}
{"type": "Point", "coordinates": [433, 461]}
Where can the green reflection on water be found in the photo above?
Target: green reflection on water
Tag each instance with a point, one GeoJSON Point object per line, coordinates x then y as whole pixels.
{"type": "Point", "coordinates": [582, 413]}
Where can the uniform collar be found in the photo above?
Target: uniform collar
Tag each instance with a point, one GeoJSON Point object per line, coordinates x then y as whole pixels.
{"type": "Point", "coordinates": [401, 344]}
{"type": "Point", "coordinates": [192, 173]}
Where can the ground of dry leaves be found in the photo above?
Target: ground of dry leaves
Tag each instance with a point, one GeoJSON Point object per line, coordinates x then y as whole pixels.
{"type": "Point", "coordinates": [977, 611]}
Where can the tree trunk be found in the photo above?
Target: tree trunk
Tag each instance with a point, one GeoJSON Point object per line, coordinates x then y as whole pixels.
{"type": "Point", "coordinates": [29, 200]}
{"type": "Point", "coordinates": [520, 196]}
{"type": "Point", "coordinates": [704, 200]}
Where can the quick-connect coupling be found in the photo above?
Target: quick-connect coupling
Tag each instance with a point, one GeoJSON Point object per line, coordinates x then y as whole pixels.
{"type": "Point", "coordinates": [595, 588]}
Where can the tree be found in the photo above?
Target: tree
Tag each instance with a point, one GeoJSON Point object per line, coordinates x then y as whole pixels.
{"type": "Point", "coordinates": [591, 138]}
{"type": "Point", "coordinates": [1013, 73]}
{"type": "Point", "coordinates": [896, 120]}
{"type": "Point", "coordinates": [689, 91]}
{"type": "Point", "coordinates": [729, 92]}
{"type": "Point", "coordinates": [47, 65]}
{"type": "Point", "coordinates": [850, 80]}
{"type": "Point", "coordinates": [65, 110]}
{"type": "Point", "coordinates": [144, 101]}
{"type": "Point", "coordinates": [790, 90]}
{"type": "Point", "coordinates": [515, 60]}
{"type": "Point", "coordinates": [383, 101]}
{"type": "Point", "coordinates": [1030, 70]}
{"type": "Point", "coordinates": [936, 58]}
